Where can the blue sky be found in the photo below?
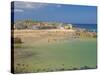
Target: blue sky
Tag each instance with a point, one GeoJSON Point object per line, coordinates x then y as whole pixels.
{"type": "Point", "coordinates": [55, 12]}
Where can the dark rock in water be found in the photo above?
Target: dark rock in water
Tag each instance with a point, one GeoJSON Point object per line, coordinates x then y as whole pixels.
{"type": "Point", "coordinates": [38, 70]}
{"type": "Point", "coordinates": [17, 40]}
{"type": "Point", "coordinates": [75, 68]}
{"type": "Point", "coordinates": [60, 69]}
{"type": "Point", "coordinates": [62, 64]}
{"type": "Point", "coordinates": [18, 64]}
{"type": "Point", "coordinates": [85, 67]}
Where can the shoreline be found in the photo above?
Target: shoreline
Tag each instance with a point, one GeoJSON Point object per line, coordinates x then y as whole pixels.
{"type": "Point", "coordinates": [51, 44]}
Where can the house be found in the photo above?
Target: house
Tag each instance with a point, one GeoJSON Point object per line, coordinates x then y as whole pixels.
{"type": "Point", "coordinates": [35, 27]}
{"type": "Point", "coordinates": [68, 26]}
{"type": "Point", "coordinates": [60, 26]}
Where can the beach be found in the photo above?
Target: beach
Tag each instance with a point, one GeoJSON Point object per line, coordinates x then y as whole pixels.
{"type": "Point", "coordinates": [53, 50]}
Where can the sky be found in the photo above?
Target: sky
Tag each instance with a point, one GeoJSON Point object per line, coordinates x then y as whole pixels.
{"type": "Point", "coordinates": [48, 12]}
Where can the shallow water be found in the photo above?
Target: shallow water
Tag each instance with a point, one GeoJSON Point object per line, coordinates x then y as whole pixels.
{"type": "Point", "coordinates": [65, 54]}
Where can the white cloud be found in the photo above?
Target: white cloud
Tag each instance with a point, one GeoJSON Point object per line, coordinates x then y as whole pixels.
{"type": "Point", "coordinates": [58, 6]}
{"type": "Point", "coordinates": [28, 5]}
{"type": "Point", "coordinates": [18, 10]}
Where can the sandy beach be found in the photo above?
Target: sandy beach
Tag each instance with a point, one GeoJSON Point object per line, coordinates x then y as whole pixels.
{"type": "Point", "coordinates": [54, 47]}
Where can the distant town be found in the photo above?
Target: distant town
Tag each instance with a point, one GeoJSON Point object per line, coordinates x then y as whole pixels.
{"type": "Point", "coordinates": [29, 24]}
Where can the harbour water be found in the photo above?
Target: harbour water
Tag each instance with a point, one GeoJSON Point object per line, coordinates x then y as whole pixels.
{"type": "Point", "coordinates": [89, 27]}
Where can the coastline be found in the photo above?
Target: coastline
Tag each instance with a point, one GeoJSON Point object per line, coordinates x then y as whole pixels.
{"type": "Point", "coordinates": [54, 47]}
{"type": "Point", "coordinates": [58, 54]}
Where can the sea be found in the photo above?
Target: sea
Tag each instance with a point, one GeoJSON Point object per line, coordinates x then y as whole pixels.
{"type": "Point", "coordinates": [88, 27]}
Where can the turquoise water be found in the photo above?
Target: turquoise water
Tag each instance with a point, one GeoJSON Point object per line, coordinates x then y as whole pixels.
{"type": "Point", "coordinates": [67, 54]}
{"type": "Point", "coordinates": [71, 53]}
